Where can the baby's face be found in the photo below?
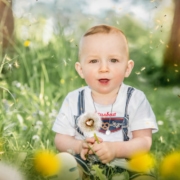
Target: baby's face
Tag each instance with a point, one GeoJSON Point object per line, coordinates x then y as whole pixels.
{"type": "Point", "coordinates": [104, 61]}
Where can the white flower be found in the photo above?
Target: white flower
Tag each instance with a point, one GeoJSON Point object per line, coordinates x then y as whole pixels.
{"type": "Point", "coordinates": [8, 172]}
{"type": "Point", "coordinates": [36, 138]}
{"type": "Point", "coordinates": [89, 123]}
{"type": "Point", "coordinates": [160, 122]}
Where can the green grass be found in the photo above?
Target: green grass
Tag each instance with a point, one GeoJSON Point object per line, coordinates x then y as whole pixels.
{"type": "Point", "coordinates": [32, 93]}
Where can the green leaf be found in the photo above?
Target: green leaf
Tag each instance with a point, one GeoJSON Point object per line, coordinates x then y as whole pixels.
{"type": "Point", "coordinates": [121, 176]}
{"type": "Point", "coordinates": [98, 172]}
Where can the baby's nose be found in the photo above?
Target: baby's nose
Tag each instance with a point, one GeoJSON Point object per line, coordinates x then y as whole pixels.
{"type": "Point", "coordinates": [104, 67]}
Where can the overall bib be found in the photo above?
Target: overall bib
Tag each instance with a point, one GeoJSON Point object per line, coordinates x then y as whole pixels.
{"type": "Point", "coordinates": [107, 170]}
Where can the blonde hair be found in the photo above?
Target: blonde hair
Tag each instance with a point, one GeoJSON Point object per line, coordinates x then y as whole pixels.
{"type": "Point", "coordinates": [102, 29]}
{"type": "Point", "coordinates": [106, 29]}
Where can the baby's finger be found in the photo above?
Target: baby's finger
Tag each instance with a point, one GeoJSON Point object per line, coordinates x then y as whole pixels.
{"type": "Point", "coordinates": [82, 155]}
{"type": "Point", "coordinates": [85, 145]}
{"type": "Point", "coordinates": [100, 139]}
{"type": "Point", "coordinates": [90, 140]}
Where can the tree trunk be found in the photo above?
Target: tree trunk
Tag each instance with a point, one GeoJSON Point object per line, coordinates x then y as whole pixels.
{"type": "Point", "coordinates": [6, 23]}
{"type": "Point", "coordinates": [171, 64]}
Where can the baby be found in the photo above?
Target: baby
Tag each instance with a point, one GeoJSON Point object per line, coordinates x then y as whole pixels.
{"type": "Point", "coordinates": [127, 118]}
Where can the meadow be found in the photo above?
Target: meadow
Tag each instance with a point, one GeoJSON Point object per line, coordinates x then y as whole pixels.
{"type": "Point", "coordinates": [35, 78]}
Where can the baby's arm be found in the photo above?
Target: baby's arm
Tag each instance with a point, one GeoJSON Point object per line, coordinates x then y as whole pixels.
{"type": "Point", "coordinates": [65, 142]}
{"type": "Point", "coordinates": [141, 141]}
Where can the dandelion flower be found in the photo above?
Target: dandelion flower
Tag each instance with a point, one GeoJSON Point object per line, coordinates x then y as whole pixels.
{"type": "Point", "coordinates": [170, 166]}
{"type": "Point", "coordinates": [62, 81]}
{"type": "Point", "coordinates": [27, 43]}
{"type": "Point", "coordinates": [46, 163]}
{"type": "Point", "coordinates": [89, 123]}
{"type": "Point", "coordinates": [8, 172]}
{"type": "Point", "coordinates": [141, 162]}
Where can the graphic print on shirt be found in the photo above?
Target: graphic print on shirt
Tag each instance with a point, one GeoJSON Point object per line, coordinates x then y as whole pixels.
{"type": "Point", "coordinates": [113, 124]}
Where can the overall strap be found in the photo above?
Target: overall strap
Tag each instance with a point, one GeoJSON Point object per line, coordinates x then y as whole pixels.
{"type": "Point", "coordinates": [81, 103]}
{"type": "Point", "coordinates": [80, 109]}
{"type": "Point", "coordinates": [126, 116]}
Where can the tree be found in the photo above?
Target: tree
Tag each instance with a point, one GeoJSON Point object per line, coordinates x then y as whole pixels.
{"type": "Point", "coordinates": [6, 23]}
{"type": "Point", "coordinates": [171, 61]}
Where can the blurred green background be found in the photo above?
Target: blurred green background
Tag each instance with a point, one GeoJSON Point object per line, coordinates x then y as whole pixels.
{"type": "Point", "coordinates": [37, 67]}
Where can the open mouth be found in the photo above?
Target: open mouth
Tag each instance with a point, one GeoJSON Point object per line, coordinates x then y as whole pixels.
{"type": "Point", "coordinates": [104, 81]}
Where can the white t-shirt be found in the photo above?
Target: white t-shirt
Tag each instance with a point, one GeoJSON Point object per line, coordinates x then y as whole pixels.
{"type": "Point", "coordinates": [139, 110]}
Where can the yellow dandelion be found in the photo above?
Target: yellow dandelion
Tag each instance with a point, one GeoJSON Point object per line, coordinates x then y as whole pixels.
{"type": "Point", "coordinates": [27, 43]}
{"type": "Point", "coordinates": [62, 81]}
{"type": "Point", "coordinates": [46, 163]}
{"type": "Point", "coordinates": [170, 166]}
{"type": "Point", "coordinates": [142, 162]}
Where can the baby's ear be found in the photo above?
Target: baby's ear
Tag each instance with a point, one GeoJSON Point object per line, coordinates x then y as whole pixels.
{"type": "Point", "coordinates": [129, 68]}
{"type": "Point", "coordinates": [79, 69]}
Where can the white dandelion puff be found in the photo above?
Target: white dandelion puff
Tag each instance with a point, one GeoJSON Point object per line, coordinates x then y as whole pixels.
{"type": "Point", "coordinates": [89, 123]}
{"type": "Point", "coordinates": [8, 172]}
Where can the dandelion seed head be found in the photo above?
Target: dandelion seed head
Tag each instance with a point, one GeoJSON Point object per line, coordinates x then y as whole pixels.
{"type": "Point", "coordinates": [8, 172]}
{"type": "Point", "coordinates": [41, 113]}
{"type": "Point", "coordinates": [160, 122]}
{"type": "Point", "coordinates": [39, 123]}
{"type": "Point", "coordinates": [36, 137]}
{"type": "Point", "coordinates": [89, 122]}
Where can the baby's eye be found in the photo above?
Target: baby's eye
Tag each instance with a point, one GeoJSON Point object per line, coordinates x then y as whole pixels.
{"type": "Point", "coordinates": [114, 60]}
{"type": "Point", "coordinates": [93, 61]}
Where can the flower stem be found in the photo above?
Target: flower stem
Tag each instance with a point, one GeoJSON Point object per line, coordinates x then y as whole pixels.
{"type": "Point", "coordinates": [96, 138]}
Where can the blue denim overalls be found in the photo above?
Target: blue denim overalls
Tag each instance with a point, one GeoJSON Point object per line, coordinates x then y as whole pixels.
{"type": "Point", "coordinates": [108, 171]}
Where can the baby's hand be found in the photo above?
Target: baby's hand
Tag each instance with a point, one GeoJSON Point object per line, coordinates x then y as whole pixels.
{"type": "Point", "coordinates": [92, 140]}
{"type": "Point", "coordinates": [105, 151]}
{"type": "Point", "coordinates": [86, 145]}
